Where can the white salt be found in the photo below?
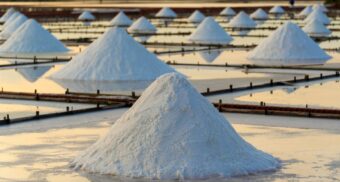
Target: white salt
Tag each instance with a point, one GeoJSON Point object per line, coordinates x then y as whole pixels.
{"type": "Point", "coordinates": [196, 17]}
{"type": "Point", "coordinates": [210, 32]}
{"type": "Point", "coordinates": [115, 56]}
{"type": "Point", "coordinates": [317, 14]}
{"type": "Point", "coordinates": [259, 14]}
{"type": "Point", "coordinates": [12, 26]}
{"type": "Point", "coordinates": [121, 20]}
{"type": "Point", "coordinates": [288, 45]}
{"type": "Point", "coordinates": [166, 12]}
{"type": "Point", "coordinates": [173, 132]}
{"type": "Point", "coordinates": [86, 16]}
{"type": "Point", "coordinates": [316, 28]}
{"type": "Point", "coordinates": [142, 25]}
{"type": "Point", "coordinates": [242, 20]}
{"type": "Point", "coordinates": [227, 12]}
{"type": "Point", "coordinates": [277, 10]}
{"type": "Point", "coordinates": [306, 11]}
{"type": "Point", "coordinates": [7, 15]}
{"type": "Point", "coordinates": [31, 37]}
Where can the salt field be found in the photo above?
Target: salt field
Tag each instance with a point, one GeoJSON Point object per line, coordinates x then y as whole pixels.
{"type": "Point", "coordinates": [171, 91]}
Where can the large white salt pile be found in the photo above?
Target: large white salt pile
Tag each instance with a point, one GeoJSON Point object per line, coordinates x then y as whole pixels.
{"type": "Point", "coordinates": [86, 16]}
{"type": "Point", "coordinates": [242, 20]}
{"type": "Point", "coordinates": [142, 25]}
{"type": "Point", "coordinates": [227, 12]}
{"type": "Point", "coordinates": [316, 29]}
{"type": "Point", "coordinates": [173, 132]}
{"type": "Point", "coordinates": [7, 15]}
{"type": "Point", "coordinates": [210, 32]}
{"type": "Point", "coordinates": [32, 74]}
{"type": "Point", "coordinates": [166, 12]}
{"type": "Point", "coordinates": [277, 10]}
{"type": "Point", "coordinates": [288, 45]}
{"type": "Point", "coordinates": [306, 11]}
{"type": "Point", "coordinates": [115, 56]}
{"type": "Point", "coordinates": [259, 14]}
{"type": "Point", "coordinates": [121, 20]}
{"type": "Point", "coordinates": [196, 17]}
{"type": "Point", "coordinates": [12, 26]}
{"type": "Point", "coordinates": [31, 37]}
{"type": "Point", "coordinates": [317, 14]}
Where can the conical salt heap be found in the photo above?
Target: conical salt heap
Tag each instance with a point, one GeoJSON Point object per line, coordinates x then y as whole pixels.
{"type": "Point", "coordinates": [210, 32]}
{"type": "Point", "coordinates": [173, 132]}
{"type": "Point", "coordinates": [12, 26]}
{"type": "Point", "coordinates": [242, 20]}
{"type": "Point", "coordinates": [227, 12]}
{"type": "Point", "coordinates": [31, 37]}
{"type": "Point", "coordinates": [121, 20]}
{"type": "Point", "coordinates": [7, 15]}
{"type": "Point", "coordinates": [86, 16]}
{"type": "Point", "coordinates": [277, 10]}
{"type": "Point", "coordinates": [166, 12]}
{"type": "Point", "coordinates": [288, 45]}
{"type": "Point", "coordinates": [142, 25]}
{"type": "Point", "coordinates": [317, 14]}
{"type": "Point", "coordinates": [115, 56]}
{"type": "Point", "coordinates": [316, 29]}
{"type": "Point", "coordinates": [11, 19]}
{"type": "Point", "coordinates": [306, 11]}
{"type": "Point", "coordinates": [196, 17]}
{"type": "Point", "coordinates": [259, 14]}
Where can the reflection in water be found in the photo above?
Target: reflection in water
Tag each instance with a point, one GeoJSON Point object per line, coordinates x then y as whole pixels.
{"type": "Point", "coordinates": [210, 56]}
{"type": "Point", "coordinates": [32, 74]}
{"type": "Point", "coordinates": [105, 86]}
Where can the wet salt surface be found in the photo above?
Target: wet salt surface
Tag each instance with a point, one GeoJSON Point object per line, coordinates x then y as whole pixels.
{"type": "Point", "coordinates": [41, 151]}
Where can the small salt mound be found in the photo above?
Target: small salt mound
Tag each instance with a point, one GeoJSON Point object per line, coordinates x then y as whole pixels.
{"type": "Point", "coordinates": [86, 16]}
{"type": "Point", "coordinates": [115, 56]}
{"type": "Point", "coordinates": [277, 10]}
{"type": "Point", "coordinates": [288, 45]}
{"type": "Point", "coordinates": [121, 20]}
{"type": "Point", "coordinates": [196, 17]}
{"type": "Point", "coordinates": [173, 132]}
{"type": "Point", "coordinates": [306, 11]}
{"type": "Point", "coordinates": [242, 20]}
{"type": "Point", "coordinates": [316, 29]}
{"type": "Point", "coordinates": [11, 19]}
{"type": "Point", "coordinates": [142, 25]}
{"type": "Point", "coordinates": [321, 7]}
{"type": "Point", "coordinates": [32, 74]}
{"type": "Point", "coordinates": [259, 14]}
{"type": "Point", "coordinates": [31, 37]}
{"type": "Point", "coordinates": [227, 12]}
{"type": "Point", "coordinates": [7, 15]}
{"type": "Point", "coordinates": [166, 12]}
{"type": "Point", "coordinates": [12, 26]}
{"type": "Point", "coordinates": [210, 32]}
{"type": "Point", "coordinates": [317, 14]}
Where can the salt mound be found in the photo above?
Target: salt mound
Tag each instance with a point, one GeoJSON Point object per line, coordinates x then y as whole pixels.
{"type": "Point", "coordinates": [173, 132]}
{"type": "Point", "coordinates": [316, 29]}
{"type": "Point", "coordinates": [317, 14]}
{"type": "Point", "coordinates": [31, 37]}
{"type": "Point", "coordinates": [166, 12]}
{"type": "Point", "coordinates": [227, 12]}
{"type": "Point", "coordinates": [121, 20]}
{"type": "Point", "coordinates": [32, 74]}
{"type": "Point", "coordinates": [210, 56]}
{"type": "Point", "coordinates": [7, 15]}
{"type": "Point", "coordinates": [242, 20]}
{"type": "Point", "coordinates": [306, 11]}
{"type": "Point", "coordinates": [259, 14]}
{"type": "Point", "coordinates": [277, 10]}
{"type": "Point", "coordinates": [196, 17]}
{"type": "Point", "coordinates": [210, 32]}
{"type": "Point", "coordinates": [12, 26]}
{"type": "Point", "coordinates": [115, 56]}
{"type": "Point", "coordinates": [289, 45]}
{"type": "Point", "coordinates": [142, 25]}
{"type": "Point", "coordinates": [86, 16]}
{"type": "Point", "coordinates": [11, 19]}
